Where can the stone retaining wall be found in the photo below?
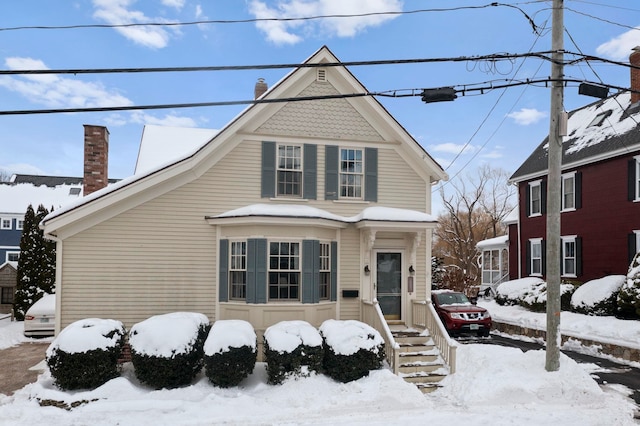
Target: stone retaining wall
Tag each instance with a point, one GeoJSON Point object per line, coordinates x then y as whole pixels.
{"type": "Point", "coordinates": [626, 353]}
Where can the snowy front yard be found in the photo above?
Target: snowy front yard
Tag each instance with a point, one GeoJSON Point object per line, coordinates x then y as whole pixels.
{"type": "Point", "coordinates": [494, 385]}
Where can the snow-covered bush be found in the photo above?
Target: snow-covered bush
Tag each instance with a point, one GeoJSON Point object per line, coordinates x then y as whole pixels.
{"type": "Point", "coordinates": [531, 293]}
{"type": "Point", "coordinates": [351, 349]}
{"type": "Point", "coordinates": [598, 297]}
{"type": "Point", "coordinates": [292, 348]}
{"type": "Point", "coordinates": [629, 296]}
{"type": "Point", "coordinates": [230, 352]}
{"type": "Point", "coordinates": [167, 350]}
{"type": "Point", "coordinates": [85, 354]}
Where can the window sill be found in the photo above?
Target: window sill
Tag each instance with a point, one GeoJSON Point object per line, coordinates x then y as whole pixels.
{"type": "Point", "coordinates": [568, 276]}
{"type": "Point", "coordinates": [573, 209]}
{"type": "Point", "coordinates": [351, 201]}
{"type": "Point", "coordinates": [535, 215]}
{"type": "Point", "coordinates": [289, 200]}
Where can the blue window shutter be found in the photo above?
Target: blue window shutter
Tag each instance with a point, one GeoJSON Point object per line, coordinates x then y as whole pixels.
{"type": "Point", "coordinates": [268, 185]}
{"type": "Point", "coordinates": [310, 178]}
{"type": "Point", "coordinates": [331, 164]}
{"type": "Point", "coordinates": [371, 174]}
{"type": "Point", "coordinates": [223, 271]}
{"type": "Point", "coordinates": [334, 271]}
{"type": "Point", "coordinates": [256, 270]}
{"type": "Point", "coordinates": [310, 271]}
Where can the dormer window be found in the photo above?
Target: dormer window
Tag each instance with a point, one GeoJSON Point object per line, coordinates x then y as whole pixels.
{"type": "Point", "coordinates": [599, 119]}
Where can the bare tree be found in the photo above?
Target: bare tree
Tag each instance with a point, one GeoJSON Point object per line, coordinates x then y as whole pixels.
{"type": "Point", "coordinates": [473, 211]}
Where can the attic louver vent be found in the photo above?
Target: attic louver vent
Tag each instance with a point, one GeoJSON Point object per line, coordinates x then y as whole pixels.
{"type": "Point", "coordinates": [321, 74]}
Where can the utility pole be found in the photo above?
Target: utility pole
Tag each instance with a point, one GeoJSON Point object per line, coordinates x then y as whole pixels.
{"type": "Point", "coordinates": [554, 192]}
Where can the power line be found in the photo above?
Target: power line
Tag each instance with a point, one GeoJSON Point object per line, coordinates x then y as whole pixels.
{"type": "Point", "coordinates": [398, 93]}
{"type": "Point", "coordinates": [256, 20]}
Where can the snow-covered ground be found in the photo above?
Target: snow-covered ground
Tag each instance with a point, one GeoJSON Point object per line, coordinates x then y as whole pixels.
{"type": "Point", "coordinates": [493, 385]}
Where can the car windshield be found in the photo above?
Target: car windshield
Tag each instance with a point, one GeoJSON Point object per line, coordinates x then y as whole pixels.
{"type": "Point", "coordinates": [452, 299]}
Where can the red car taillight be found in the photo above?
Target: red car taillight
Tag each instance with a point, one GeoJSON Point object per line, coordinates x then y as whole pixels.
{"type": "Point", "coordinates": [29, 317]}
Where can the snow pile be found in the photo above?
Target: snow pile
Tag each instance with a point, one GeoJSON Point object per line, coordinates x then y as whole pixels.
{"type": "Point", "coordinates": [166, 335]}
{"type": "Point", "coordinates": [86, 335]}
{"type": "Point", "coordinates": [530, 292]}
{"type": "Point", "coordinates": [348, 337]}
{"type": "Point", "coordinates": [515, 289]}
{"type": "Point", "coordinates": [597, 297]}
{"type": "Point", "coordinates": [287, 336]}
{"type": "Point", "coordinates": [227, 334]}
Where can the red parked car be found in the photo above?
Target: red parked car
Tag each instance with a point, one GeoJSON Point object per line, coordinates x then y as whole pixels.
{"type": "Point", "coordinates": [459, 315]}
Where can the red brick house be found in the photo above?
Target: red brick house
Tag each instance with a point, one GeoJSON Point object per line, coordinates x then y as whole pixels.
{"type": "Point", "coordinates": [600, 216]}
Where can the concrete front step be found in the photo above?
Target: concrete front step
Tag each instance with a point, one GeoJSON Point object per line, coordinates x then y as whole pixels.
{"type": "Point", "coordinates": [420, 361]}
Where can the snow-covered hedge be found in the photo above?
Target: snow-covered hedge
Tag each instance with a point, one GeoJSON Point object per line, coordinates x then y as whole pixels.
{"type": "Point", "coordinates": [598, 297]}
{"type": "Point", "coordinates": [292, 348]}
{"type": "Point", "coordinates": [167, 350]}
{"type": "Point", "coordinates": [531, 293]}
{"type": "Point", "coordinates": [230, 352]}
{"type": "Point", "coordinates": [629, 296]}
{"type": "Point", "coordinates": [85, 354]}
{"type": "Point", "coordinates": [351, 349]}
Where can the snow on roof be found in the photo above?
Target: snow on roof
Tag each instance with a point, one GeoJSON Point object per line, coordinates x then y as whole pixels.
{"type": "Point", "coordinates": [164, 145]}
{"type": "Point", "coordinates": [583, 132]}
{"type": "Point", "coordinates": [369, 213]}
{"type": "Point", "coordinates": [492, 242]}
{"type": "Point", "coordinates": [15, 198]}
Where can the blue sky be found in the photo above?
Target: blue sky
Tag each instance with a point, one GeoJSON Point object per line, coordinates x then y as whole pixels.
{"type": "Point", "coordinates": [500, 127]}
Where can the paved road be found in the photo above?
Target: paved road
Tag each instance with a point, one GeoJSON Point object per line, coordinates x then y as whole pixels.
{"type": "Point", "coordinates": [15, 363]}
{"type": "Point", "coordinates": [610, 372]}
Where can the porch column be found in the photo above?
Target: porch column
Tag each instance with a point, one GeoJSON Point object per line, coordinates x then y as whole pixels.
{"type": "Point", "coordinates": [368, 240]}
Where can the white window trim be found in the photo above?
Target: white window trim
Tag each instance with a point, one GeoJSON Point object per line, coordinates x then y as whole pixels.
{"type": "Point", "coordinates": [2, 219]}
{"type": "Point", "coordinates": [564, 178]}
{"type": "Point", "coordinates": [301, 171]}
{"type": "Point", "coordinates": [232, 269]}
{"type": "Point", "coordinates": [537, 183]}
{"type": "Point", "coordinates": [6, 255]}
{"type": "Point", "coordinates": [637, 232]}
{"type": "Point", "coordinates": [637, 178]}
{"type": "Point", "coordinates": [564, 239]}
{"type": "Point", "coordinates": [328, 265]}
{"type": "Point", "coordinates": [298, 271]}
{"type": "Point", "coordinates": [533, 241]}
{"type": "Point", "coordinates": [340, 173]}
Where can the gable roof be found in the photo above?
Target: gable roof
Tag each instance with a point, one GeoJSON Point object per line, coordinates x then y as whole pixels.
{"type": "Point", "coordinates": [163, 145]}
{"type": "Point", "coordinates": [604, 129]}
{"type": "Point", "coordinates": [191, 165]}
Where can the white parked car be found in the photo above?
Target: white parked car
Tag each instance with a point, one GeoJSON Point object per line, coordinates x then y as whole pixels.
{"type": "Point", "coordinates": [40, 319]}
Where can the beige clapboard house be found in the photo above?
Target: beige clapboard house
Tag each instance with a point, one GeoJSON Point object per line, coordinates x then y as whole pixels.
{"type": "Point", "coordinates": [298, 210]}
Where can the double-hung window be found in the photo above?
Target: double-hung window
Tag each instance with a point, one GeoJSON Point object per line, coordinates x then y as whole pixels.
{"type": "Point", "coordinates": [284, 271]}
{"type": "Point", "coordinates": [5, 223]}
{"type": "Point", "coordinates": [351, 173]}
{"type": "Point", "coordinates": [569, 191]}
{"type": "Point", "coordinates": [238, 270]}
{"type": "Point", "coordinates": [535, 198]}
{"type": "Point", "coordinates": [20, 224]}
{"type": "Point", "coordinates": [289, 171]}
{"type": "Point", "coordinates": [325, 271]}
{"type": "Point", "coordinates": [569, 256]}
{"type": "Point", "coordinates": [536, 256]}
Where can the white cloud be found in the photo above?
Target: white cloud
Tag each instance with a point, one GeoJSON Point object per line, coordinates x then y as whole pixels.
{"type": "Point", "coordinates": [452, 148]}
{"type": "Point", "coordinates": [58, 92]}
{"type": "Point", "coordinates": [493, 155]}
{"type": "Point", "coordinates": [22, 168]}
{"type": "Point", "coordinates": [168, 120]}
{"type": "Point", "coordinates": [199, 13]}
{"type": "Point", "coordinates": [117, 12]}
{"type": "Point", "coordinates": [280, 32]}
{"type": "Point", "coordinates": [178, 4]}
{"type": "Point", "coordinates": [619, 48]}
{"type": "Point", "coordinates": [527, 116]}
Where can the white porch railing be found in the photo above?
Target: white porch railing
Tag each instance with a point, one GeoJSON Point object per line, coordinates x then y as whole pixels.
{"type": "Point", "coordinates": [425, 316]}
{"type": "Point", "coordinates": [372, 315]}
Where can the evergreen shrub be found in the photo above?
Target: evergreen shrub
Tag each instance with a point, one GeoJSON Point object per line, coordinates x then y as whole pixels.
{"type": "Point", "coordinates": [230, 352]}
{"type": "Point", "coordinates": [629, 297]}
{"type": "Point", "coordinates": [292, 349]}
{"type": "Point", "coordinates": [85, 354]}
{"type": "Point", "coordinates": [167, 350]}
{"type": "Point", "coordinates": [351, 349]}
